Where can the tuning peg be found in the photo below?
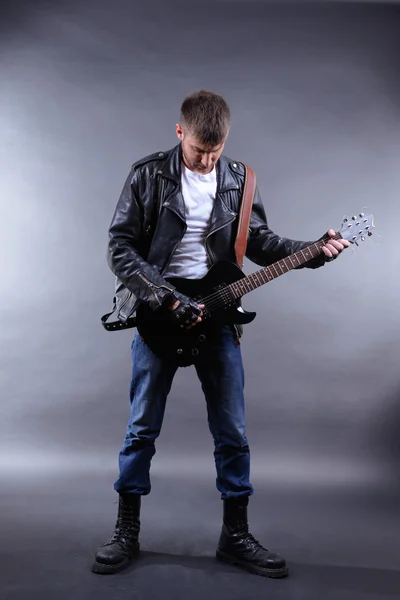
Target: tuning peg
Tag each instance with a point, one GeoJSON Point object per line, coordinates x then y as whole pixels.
{"type": "Point", "coordinates": [369, 232]}
{"type": "Point", "coordinates": [361, 215]}
{"type": "Point", "coordinates": [362, 238]}
{"type": "Point", "coordinates": [345, 219]}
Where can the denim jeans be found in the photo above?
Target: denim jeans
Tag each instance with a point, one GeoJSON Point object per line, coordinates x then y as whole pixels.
{"type": "Point", "coordinates": [222, 382]}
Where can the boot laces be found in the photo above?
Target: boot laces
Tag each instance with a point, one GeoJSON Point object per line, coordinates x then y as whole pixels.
{"type": "Point", "coordinates": [126, 525]}
{"type": "Point", "coordinates": [247, 537]}
{"type": "Point", "coordinates": [252, 542]}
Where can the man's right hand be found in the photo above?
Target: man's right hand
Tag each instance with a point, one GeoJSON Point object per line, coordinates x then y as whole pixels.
{"type": "Point", "coordinates": [184, 311]}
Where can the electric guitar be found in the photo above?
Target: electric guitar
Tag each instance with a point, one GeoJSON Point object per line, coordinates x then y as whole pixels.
{"type": "Point", "coordinates": [220, 291]}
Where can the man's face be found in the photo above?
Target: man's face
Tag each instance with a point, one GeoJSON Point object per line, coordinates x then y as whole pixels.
{"type": "Point", "coordinates": [196, 156]}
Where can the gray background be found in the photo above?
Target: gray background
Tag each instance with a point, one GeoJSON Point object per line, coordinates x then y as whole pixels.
{"type": "Point", "coordinates": [315, 96]}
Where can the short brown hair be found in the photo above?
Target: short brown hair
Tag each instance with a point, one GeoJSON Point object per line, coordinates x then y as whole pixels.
{"type": "Point", "coordinates": [206, 116]}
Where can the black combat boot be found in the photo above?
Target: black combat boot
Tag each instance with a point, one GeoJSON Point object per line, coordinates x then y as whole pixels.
{"type": "Point", "coordinates": [115, 555]}
{"type": "Point", "coordinates": [238, 547]}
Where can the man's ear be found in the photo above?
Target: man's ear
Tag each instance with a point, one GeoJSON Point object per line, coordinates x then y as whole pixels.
{"type": "Point", "coordinates": [179, 131]}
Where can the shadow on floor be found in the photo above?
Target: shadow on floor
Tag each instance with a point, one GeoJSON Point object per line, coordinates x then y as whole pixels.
{"type": "Point", "coordinates": [360, 581]}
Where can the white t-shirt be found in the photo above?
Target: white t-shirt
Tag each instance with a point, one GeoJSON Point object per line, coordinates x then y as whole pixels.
{"type": "Point", "coordinates": [190, 257]}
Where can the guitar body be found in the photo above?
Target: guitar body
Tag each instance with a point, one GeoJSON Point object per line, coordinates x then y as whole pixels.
{"type": "Point", "coordinates": [184, 347]}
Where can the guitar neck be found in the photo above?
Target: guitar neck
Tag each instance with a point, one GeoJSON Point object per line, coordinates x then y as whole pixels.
{"type": "Point", "coordinates": [262, 276]}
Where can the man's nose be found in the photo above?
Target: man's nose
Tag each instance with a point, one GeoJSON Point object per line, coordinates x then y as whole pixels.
{"type": "Point", "coordinates": [207, 160]}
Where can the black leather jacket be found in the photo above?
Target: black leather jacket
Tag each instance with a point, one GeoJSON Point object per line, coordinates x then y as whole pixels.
{"type": "Point", "coordinates": [149, 222]}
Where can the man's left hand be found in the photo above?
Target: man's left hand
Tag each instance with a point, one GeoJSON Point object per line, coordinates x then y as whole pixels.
{"type": "Point", "coordinates": [333, 248]}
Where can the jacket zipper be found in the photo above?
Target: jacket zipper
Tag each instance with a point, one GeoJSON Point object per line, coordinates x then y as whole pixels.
{"type": "Point", "coordinates": [175, 247]}
{"type": "Point", "coordinates": [178, 242]}
{"type": "Point", "coordinates": [211, 254]}
{"type": "Point", "coordinates": [153, 287]}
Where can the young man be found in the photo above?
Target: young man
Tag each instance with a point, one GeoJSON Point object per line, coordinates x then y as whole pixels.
{"type": "Point", "coordinates": [176, 216]}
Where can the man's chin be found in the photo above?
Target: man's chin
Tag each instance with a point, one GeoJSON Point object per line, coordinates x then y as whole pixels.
{"type": "Point", "coordinates": [203, 170]}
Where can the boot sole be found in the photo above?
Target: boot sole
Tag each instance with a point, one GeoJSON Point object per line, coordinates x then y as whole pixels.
{"type": "Point", "coordinates": [103, 569]}
{"type": "Point", "coordinates": [233, 560]}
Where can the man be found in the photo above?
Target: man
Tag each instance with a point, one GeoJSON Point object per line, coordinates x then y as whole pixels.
{"type": "Point", "coordinates": [176, 216]}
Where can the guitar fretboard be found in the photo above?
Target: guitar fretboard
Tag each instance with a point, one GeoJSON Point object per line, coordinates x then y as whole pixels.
{"type": "Point", "coordinates": [262, 276]}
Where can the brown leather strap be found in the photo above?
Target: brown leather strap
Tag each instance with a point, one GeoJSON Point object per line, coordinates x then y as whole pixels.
{"type": "Point", "coordinates": [249, 189]}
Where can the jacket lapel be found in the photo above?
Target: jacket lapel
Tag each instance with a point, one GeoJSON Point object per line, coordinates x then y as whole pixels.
{"type": "Point", "coordinates": [222, 214]}
{"type": "Point", "coordinates": [172, 170]}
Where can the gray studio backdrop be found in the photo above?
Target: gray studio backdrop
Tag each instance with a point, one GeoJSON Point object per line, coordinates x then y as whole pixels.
{"type": "Point", "coordinates": [314, 90]}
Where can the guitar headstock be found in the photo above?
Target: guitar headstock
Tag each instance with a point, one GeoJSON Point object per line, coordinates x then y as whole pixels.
{"type": "Point", "coordinates": [357, 228]}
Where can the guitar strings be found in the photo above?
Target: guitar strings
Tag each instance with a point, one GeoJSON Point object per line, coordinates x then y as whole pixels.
{"type": "Point", "coordinates": [214, 299]}
{"type": "Point", "coordinates": [218, 298]}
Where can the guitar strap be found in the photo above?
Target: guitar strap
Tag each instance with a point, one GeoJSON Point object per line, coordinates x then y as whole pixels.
{"type": "Point", "coordinates": [249, 189]}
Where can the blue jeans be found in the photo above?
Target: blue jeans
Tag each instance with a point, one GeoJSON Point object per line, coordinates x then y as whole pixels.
{"type": "Point", "coordinates": [222, 381]}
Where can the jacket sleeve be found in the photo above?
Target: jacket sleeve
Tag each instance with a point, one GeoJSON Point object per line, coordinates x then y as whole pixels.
{"type": "Point", "coordinates": [125, 248]}
{"type": "Point", "coordinates": [265, 247]}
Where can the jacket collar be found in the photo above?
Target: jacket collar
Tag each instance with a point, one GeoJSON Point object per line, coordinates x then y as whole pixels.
{"type": "Point", "coordinates": [172, 169]}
